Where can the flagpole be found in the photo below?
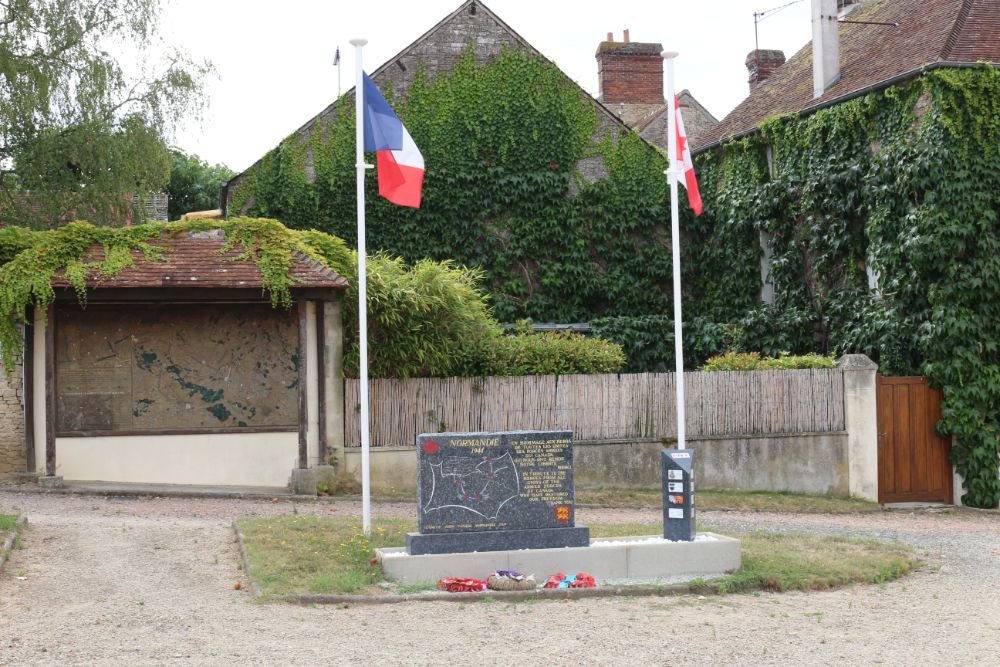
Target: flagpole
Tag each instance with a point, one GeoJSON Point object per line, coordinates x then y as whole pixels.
{"type": "Point", "coordinates": [360, 166]}
{"type": "Point", "coordinates": [675, 240]}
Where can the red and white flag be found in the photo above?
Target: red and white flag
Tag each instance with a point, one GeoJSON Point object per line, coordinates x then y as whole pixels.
{"type": "Point", "coordinates": [684, 163]}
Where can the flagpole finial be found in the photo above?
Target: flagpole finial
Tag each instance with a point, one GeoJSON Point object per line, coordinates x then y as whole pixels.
{"type": "Point", "coordinates": [359, 41]}
{"type": "Point", "coordinates": [669, 55]}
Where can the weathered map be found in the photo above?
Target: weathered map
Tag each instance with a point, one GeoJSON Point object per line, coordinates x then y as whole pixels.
{"type": "Point", "coordinates": [175, 366]}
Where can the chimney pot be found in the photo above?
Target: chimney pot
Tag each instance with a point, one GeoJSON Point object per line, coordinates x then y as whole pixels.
{"type": "Point", "coordinates": [761, 64]}
{"type": "Point", "coordinates": [611, 37]}
{"type": "Point", "coordinates": [626, 36]}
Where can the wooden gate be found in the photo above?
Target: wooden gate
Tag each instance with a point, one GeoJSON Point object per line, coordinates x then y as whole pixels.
{"type": "Point", "coordinates": [913, 463]}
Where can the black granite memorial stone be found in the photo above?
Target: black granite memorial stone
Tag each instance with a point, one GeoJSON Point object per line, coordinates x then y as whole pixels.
{"type": "Point", "coordinates": [678, 494]}
{"type": "Point", "coordinates": [495, 491]}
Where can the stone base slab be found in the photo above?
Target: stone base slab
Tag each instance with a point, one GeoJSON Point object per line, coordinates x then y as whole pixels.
{"type": "Point", "coordinates": [496, 540]}
{"type": "Point", "coordinates": [303, 482]}
{"type": "Point", "coordinates": [622, 559]}
{"type": "Point", "coordinates": [51, 482]}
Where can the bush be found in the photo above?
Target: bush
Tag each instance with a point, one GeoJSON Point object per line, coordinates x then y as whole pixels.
{"type": "Point", "coordinates": [432, 319]}
{"type": "Point", "coordinates": [550, 353]}
{"type": "Point", "coordinates": [752, 361]}
{"type": "Point", "coordinates": [773, 331]}
{"type": "Point", "coordinates": [648, 341]}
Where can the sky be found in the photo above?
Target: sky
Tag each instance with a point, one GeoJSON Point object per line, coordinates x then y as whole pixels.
{"type": "Point", "coordinates": [274, 70]}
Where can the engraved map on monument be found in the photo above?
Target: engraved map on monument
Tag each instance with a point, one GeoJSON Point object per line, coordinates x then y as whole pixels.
{"type": "Point", "coordinates": [175, 366]}
{"type": "Point", "coordinates": [482, 485]}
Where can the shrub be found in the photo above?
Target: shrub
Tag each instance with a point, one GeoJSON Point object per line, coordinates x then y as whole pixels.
{"type": "Point", "coordinates": [648, 341]}
{"type": "Point", "coordinates": [773, 331]}
{"type": "Point", "coordinates": [550, 353]}
{"type": "Point", "coordinates": [752, 361]}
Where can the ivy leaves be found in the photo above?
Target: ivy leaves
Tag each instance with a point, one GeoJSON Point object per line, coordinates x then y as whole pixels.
{"type": "Point", "coordinates": [906, 181]}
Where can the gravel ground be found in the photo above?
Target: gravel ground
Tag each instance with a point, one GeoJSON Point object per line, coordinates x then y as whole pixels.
{"type": "Point", "coordinates": [150, 581]}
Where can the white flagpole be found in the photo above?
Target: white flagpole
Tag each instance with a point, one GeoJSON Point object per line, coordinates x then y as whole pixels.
{"type": "Point", "coordinates": [675, 240]}
{"type": "Point", "coordinates": [359, 139]}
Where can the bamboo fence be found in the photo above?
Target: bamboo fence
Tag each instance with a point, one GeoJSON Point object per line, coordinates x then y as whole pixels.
{"type": "Point", "coordinates": [601, 407]}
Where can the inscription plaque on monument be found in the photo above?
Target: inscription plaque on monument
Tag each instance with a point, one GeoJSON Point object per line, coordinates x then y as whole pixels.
{"type": "Point", "coordinates": [678, 494]}
{"type": "Point", "coordinates": [495, 491]}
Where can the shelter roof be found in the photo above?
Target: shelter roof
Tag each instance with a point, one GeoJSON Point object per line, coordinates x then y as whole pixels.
{"type": "Point", "coordinates": [196, 260]}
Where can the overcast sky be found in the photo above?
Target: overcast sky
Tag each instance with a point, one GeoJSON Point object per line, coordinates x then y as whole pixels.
{"type": "Point", "coordinates": [274, 59]}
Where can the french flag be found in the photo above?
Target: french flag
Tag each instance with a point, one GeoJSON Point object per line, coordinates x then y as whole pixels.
{"type": "Point", "coordinates": [400, 163]}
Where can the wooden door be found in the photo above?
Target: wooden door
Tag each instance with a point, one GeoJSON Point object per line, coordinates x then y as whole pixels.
{"type": "Point", "coordinates": [913, 460]}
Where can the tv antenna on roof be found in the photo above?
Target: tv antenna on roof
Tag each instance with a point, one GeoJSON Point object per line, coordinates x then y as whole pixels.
{"type": "Point", "coordinates": [766, 14]}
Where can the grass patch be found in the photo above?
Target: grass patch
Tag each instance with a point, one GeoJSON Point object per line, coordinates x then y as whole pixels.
{"type": "Point", "coordinates": [304, 554]}
{"type": "Point", "coordinates": [8, 522]}
{"type": "Point", "coordinates": [727, 500]}
{"type": "Point", "coordinates": [779, 562]}
{"type": "Point", "coordinates": [307, 554]}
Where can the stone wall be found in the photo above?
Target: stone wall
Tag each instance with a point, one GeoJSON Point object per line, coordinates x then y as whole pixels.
{"type": "Point", "coordinates": [12, 456]}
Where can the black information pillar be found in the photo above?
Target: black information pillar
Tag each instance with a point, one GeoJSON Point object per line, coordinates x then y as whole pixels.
{"type": "Point", "coordinates": [678, 494]}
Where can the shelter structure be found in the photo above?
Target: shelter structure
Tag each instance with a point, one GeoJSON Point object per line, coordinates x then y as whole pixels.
{"type": "Point", "coordinates": [179, 370]}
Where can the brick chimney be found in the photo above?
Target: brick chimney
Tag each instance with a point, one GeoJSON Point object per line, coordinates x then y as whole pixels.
{"type": "Point", "coordinates": [761, 63]}
{"type": "Point", "coordinates": [629, 72]}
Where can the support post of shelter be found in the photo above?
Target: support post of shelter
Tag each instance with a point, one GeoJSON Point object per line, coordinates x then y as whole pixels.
{"type": "Point", "coordinates": [50, 480]}
{"type": "Point", "coordinates": [28, 372]}
{"type": "Point", "coordinates": [333, 380]}
{"type": "Point", "coordinates": [303, 385]}
{"type": "Point", "coordinates": [321, 386]}
{"type": "Point", "coordinates": [861, 422]}
{"type": "Point", "coordinates": [303, 480]}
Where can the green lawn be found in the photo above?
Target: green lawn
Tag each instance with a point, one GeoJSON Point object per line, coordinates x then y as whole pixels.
{"type": "Point", "coordinates": [306, 554]}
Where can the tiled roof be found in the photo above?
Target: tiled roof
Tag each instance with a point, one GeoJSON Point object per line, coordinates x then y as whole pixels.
{"type": "Point", "coordinates": [929, 31]}
{"type": "Point", "coordinates": [195, 261]}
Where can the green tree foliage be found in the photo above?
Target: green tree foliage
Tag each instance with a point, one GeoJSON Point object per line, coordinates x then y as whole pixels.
{"type": "Point", "coordinates": [194, 184]}
{"type": "Point", "coordinates": [79, 136]}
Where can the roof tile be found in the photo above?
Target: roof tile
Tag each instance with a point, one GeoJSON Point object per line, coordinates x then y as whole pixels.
{"type": "Point", "coordinates": [198, 261]}
{"type": "Point", "coordinates": [929, 31]}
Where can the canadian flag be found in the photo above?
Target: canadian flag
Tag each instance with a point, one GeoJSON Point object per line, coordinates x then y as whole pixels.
{"type": "Point", "coordinates": [684, 163]}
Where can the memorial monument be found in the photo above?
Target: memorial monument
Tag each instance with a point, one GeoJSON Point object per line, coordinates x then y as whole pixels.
{"type": "Point", "coordinates": [495, 492]}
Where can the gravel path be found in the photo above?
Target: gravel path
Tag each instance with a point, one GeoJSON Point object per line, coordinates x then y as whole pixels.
{"type": "Point", "coordinates": [150, 581]}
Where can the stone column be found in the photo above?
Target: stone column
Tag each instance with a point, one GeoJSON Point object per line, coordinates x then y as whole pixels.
{"type": "Point", "coordinates": [333, 376]}
{"type": "Point", "coordinates": [861, 422]}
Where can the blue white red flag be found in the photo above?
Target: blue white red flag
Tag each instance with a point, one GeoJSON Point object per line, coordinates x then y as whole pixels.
{"type": "Point", "coordinates": [400, 163]}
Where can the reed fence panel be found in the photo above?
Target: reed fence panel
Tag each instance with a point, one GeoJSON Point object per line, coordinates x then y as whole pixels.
{"type": "Point", "coordinates": [601, 407]}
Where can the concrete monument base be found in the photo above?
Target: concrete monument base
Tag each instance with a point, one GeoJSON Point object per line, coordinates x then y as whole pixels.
{"type": "Point", "coordinates": [609, 560]}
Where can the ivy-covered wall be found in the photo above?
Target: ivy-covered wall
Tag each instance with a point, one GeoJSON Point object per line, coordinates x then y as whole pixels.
{"type": "Point", "coordinates": [904, 182]}
{"type": "Point", "coordinates": [525, 180]}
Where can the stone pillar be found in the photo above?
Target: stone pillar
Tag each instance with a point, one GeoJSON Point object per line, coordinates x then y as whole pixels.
{"type": "Point", "coordinates": [333, 377]}
{"type": "Point", "coordinates": [861, 422]}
